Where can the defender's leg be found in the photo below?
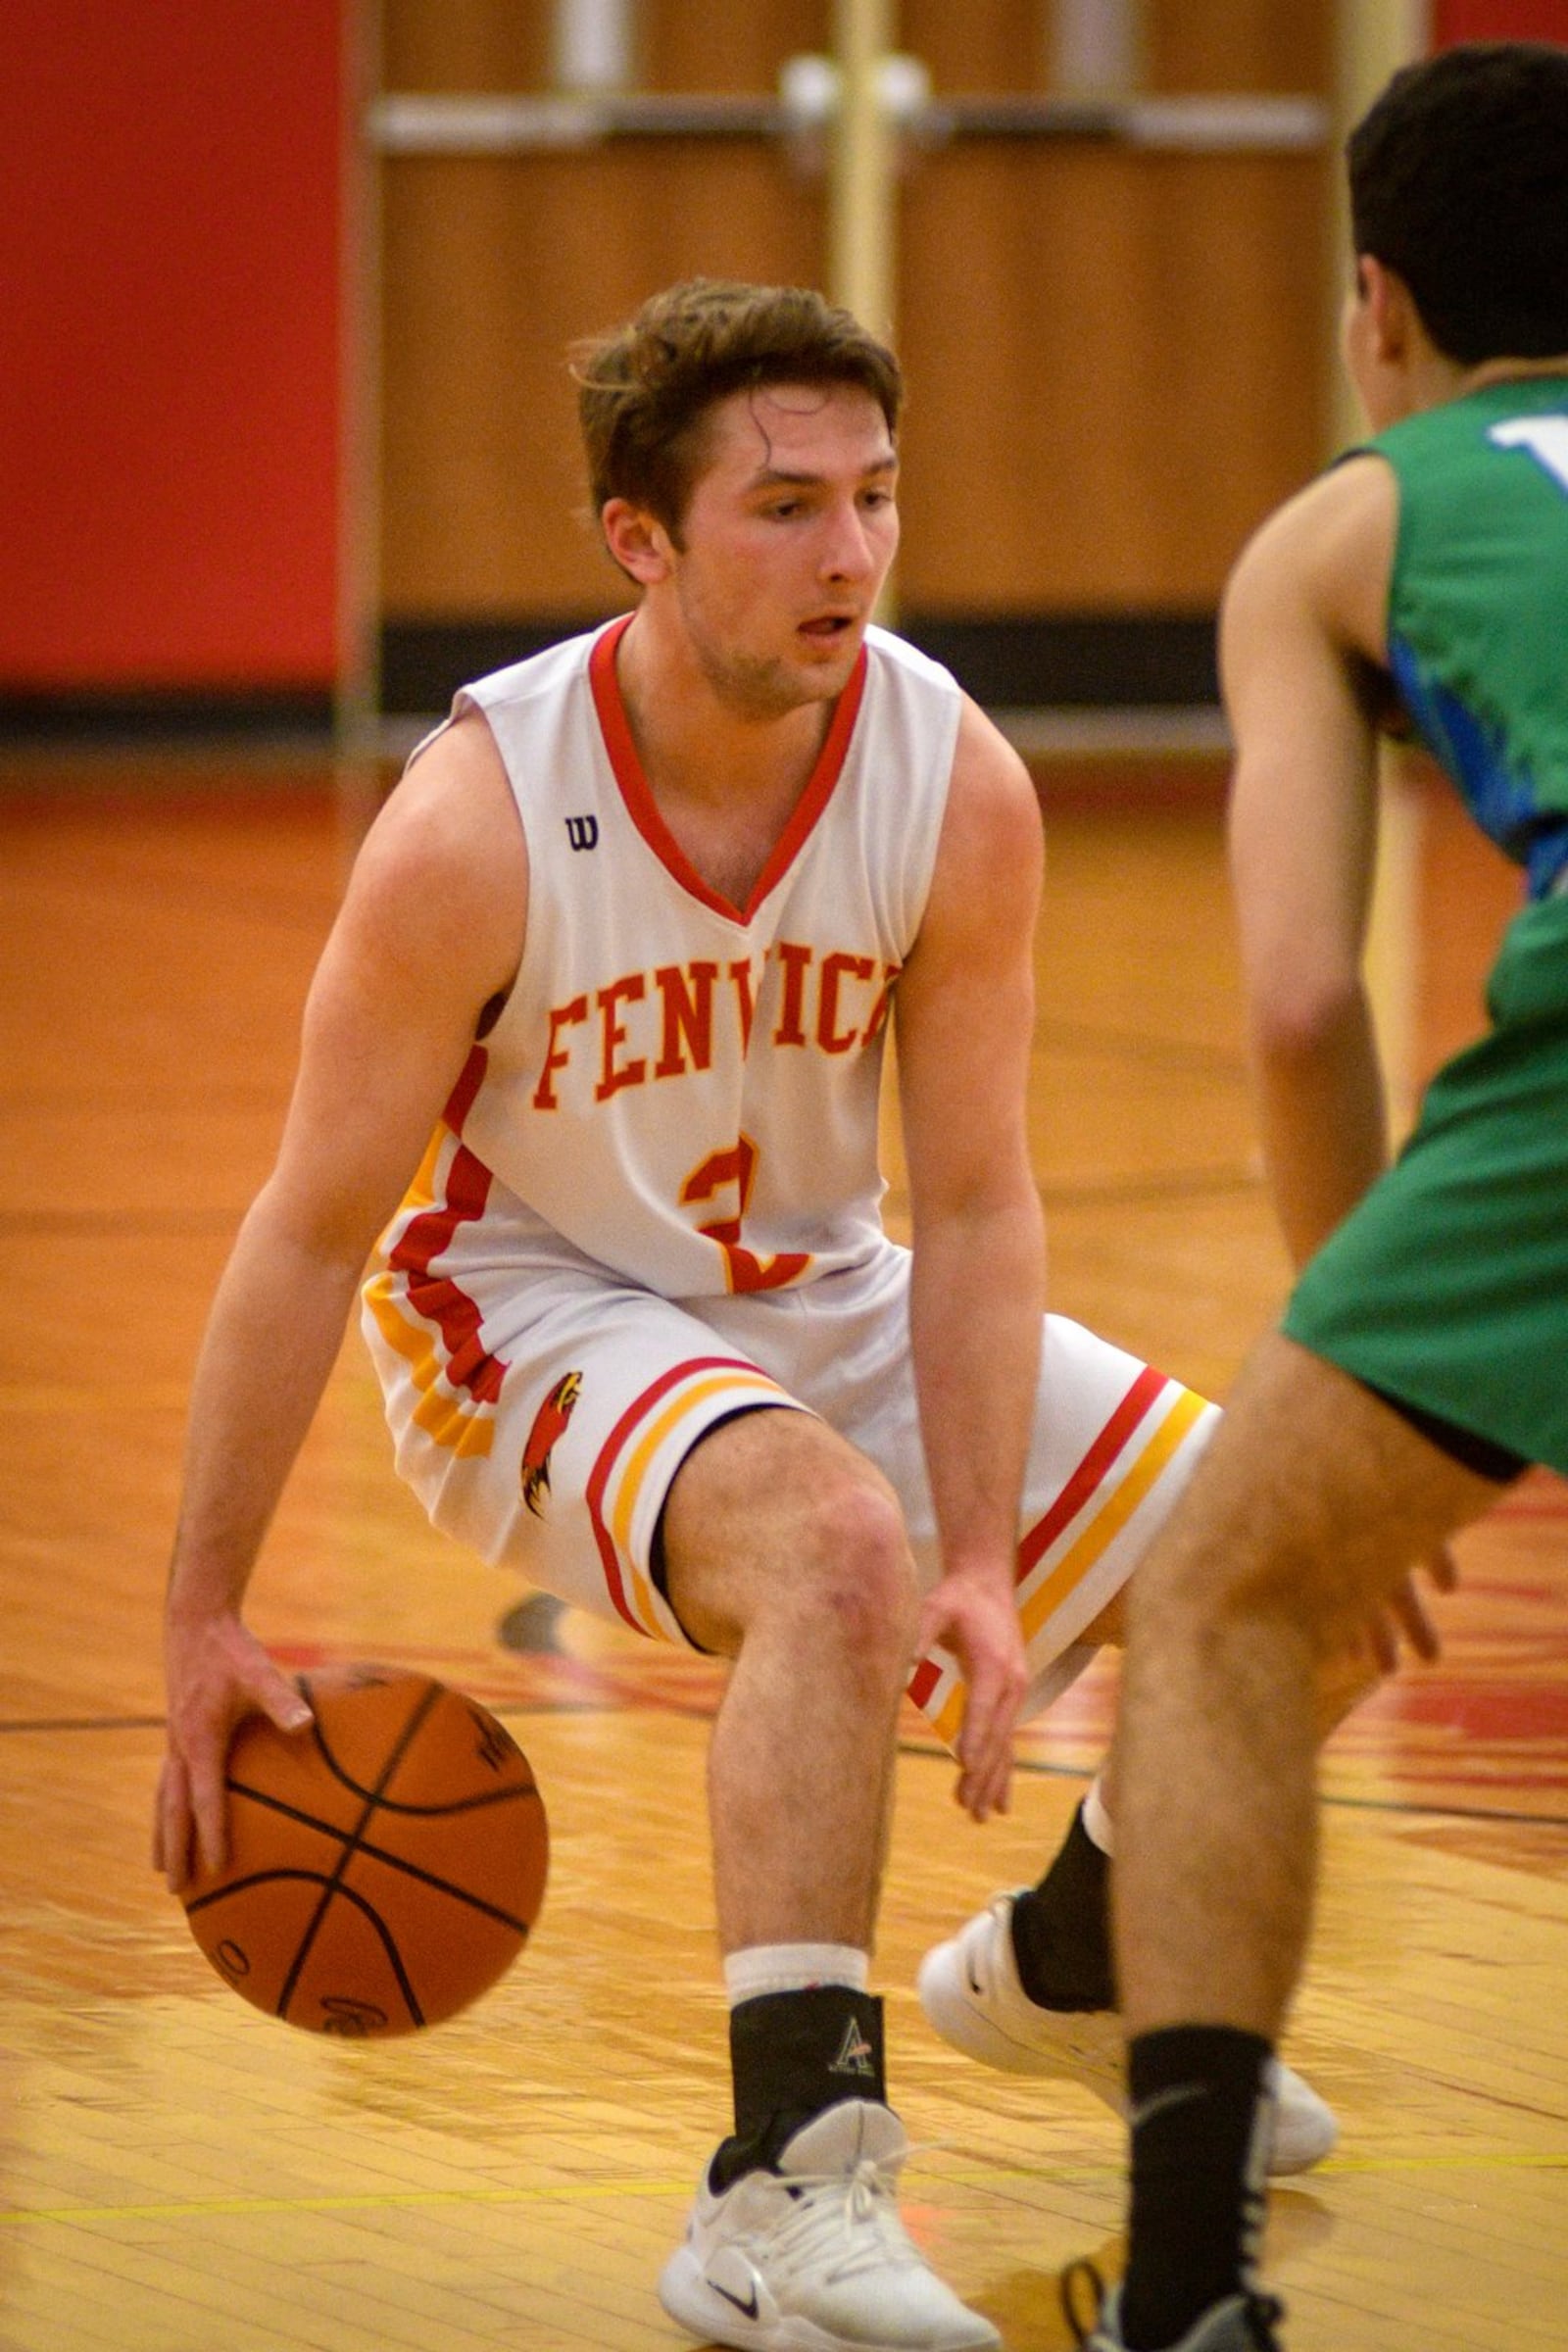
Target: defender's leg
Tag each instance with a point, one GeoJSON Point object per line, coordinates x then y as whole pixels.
{"type": "Point", "coordinates": [1312, 1502]}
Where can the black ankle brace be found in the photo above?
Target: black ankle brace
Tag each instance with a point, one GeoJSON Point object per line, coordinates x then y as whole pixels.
{"type": "Point", "coordinates": [792, 2054]}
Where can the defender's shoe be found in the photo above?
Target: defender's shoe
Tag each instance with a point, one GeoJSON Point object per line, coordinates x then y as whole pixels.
{"type": "Point", "coordinates": [970, 1993]}
{"type": "Point", "coordinates": [813, 2258]}
{"type": "Point", "coordinates": [1241, 2323]}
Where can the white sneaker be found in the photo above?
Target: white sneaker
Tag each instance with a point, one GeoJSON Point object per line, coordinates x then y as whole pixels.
{"type": "Point", "coordinates": [970, 1993]}
{"type": "Point", "coordinates": [813, 2258]}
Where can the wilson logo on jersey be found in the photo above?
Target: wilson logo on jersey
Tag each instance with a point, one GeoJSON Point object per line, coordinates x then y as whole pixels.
{"type": "Point", "coordinates": [549, 1422]}
{"type": "Point", "coordinates": [583, 832]}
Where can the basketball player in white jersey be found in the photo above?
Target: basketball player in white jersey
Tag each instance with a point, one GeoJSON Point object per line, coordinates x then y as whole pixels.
{"type": "Point", "coordinates": [604, 1011]}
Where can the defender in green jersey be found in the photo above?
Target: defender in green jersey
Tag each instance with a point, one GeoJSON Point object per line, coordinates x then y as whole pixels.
{"type": "Point", "coordinates": [1423, 1360]}
{"type": "Point", "coordinates": [1446, 1289]}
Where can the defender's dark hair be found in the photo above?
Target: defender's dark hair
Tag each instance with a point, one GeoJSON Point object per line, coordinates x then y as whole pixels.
{"type": "Point", "coordinates": [1459, 183]}
{"type": "Point", "coordinates": [645, 390]}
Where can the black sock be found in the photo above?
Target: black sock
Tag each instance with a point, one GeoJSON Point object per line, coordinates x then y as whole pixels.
{"type": "Point", "coordinates": [1201, 2114]}
{"type": "Point", "coordinates": [1062, 1928]}
{"type": "Point", "coordinates": [794, 2054]}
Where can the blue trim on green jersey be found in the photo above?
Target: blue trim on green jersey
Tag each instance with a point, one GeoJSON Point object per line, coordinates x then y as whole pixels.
{"type": "Point", "coordinates": [1500, 798]}
{"type": "Point", "coordinates": [1477, 612]}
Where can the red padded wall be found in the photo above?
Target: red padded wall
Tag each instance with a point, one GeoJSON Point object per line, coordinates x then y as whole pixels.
{"type": "Point", "coordinates": [1499, 21]}
{"type": "Point", "coordinates": [169, 397]}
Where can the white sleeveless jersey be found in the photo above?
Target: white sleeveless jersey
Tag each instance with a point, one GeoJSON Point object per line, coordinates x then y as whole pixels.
{"type": "Point", "coordinates": [683, 1091]}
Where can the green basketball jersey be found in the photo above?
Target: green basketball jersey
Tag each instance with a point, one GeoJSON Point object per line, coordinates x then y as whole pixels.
{"type": "Point", "coordinates": [1477, 606]}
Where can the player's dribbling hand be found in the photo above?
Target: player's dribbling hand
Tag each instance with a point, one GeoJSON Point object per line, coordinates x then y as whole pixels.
{"type": "Point", "coordinates": [218, 1674]}
{"type": "Point", "coordinates": [973, 1616]}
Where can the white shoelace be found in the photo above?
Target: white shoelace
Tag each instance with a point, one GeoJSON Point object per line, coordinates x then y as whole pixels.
{"type": "Point", "coordinates": [858, 2207]}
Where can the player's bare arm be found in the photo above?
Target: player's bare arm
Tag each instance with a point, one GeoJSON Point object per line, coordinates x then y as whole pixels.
{"type": "Point", "coordinates": [1300, 648]}
{"type": "Point", "coordinates": [429, 931]}
{"type": "Point", "coordinates": [965, 1021]}
{"type": "Point", "coordinates": [1302, 652]}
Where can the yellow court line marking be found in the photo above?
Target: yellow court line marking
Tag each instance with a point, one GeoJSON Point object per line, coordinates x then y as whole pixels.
{"type": "Point", "coordinates": [381, 2200]}
{"type": "Point", "coordinates": [1501, 2160]}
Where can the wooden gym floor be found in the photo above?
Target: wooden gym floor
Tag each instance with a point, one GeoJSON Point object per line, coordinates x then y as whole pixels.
{"type": "Point", "coordinates": [178, 2173]}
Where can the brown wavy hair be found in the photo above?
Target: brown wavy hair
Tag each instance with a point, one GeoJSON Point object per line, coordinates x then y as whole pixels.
{"type": "Point", "coordinates": [645, 390]}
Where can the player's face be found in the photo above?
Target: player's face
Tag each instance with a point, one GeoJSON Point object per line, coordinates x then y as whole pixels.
{"type": "Point", "coordinates": [786, 540]}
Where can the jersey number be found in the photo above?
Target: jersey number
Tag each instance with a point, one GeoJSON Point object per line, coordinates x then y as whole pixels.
{"type": "Point", "coordinates": [1546, 438]}
{"type": "Point", "coordinates": [736, 1170]}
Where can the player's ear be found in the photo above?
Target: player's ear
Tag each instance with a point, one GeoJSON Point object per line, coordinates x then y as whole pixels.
{"type": "Point", "coordinates": [637, 540]}
{"type": "Point", "coordinates": [1389, 310]}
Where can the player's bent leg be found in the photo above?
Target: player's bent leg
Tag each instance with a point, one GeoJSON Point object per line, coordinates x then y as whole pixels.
{"type": "Point", "coordinates": [1313, 1500]}
{"type": "Point", "coordinates": [1313, 1503]}
{"type": "Point", "coordinates": [785, 1550]}
{"type": "Point", "coordinates": [641, 1464]}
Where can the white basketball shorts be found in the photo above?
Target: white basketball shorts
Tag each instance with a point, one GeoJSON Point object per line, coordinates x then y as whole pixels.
{"type": "Point", "coordinates": [541, 1418]}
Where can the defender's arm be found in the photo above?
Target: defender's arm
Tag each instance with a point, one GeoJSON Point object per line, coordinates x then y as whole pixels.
{"type": "Point", "coordinates": [1300, 647]}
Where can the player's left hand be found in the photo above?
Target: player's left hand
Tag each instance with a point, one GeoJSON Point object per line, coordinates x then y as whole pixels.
{"type": "Point", "coordinates": [972, 1614]}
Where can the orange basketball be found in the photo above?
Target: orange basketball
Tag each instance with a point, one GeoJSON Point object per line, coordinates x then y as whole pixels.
{"type": "Point", "coordinates": [385, 1865]}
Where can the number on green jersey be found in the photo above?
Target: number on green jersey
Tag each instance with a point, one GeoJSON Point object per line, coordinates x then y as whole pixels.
{"type": "Point", "coordinates": [1546, 438]}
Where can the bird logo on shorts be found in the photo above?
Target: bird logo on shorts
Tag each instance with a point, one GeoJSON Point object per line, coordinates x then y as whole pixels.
{"type": "Point", "coordinates": [548, 1424]}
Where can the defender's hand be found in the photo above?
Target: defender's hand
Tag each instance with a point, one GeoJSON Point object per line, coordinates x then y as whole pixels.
{"type": "Point", "coordinates": [973, 1616]}
{"type": "Point", "coordinates": [1405, 1613]}
{"type": "Point", "coordinates": [218, 1674]}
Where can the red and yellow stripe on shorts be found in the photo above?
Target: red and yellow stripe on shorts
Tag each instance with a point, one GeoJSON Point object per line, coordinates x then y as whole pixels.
{"type": "Point", "coordinates": [1117, 1474]}
{"type": "Point", "coordinates": [639, 1458]}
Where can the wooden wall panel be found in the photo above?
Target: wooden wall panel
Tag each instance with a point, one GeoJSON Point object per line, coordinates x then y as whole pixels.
{"type": "Point", "coordinates": [505, 44]}
{"type": "Point", "coordinates": [740, 44]}
{"type": "Point", "coordinates": [1118, 360]}
{"type": "Point", "coordinates": [464, 44]}
{"type": "Point", "coordinates": [1115, 368]}
{"type": "Point", "coordinates": [1241, 45]}
{"type": "Point", "coordinates": [986, 46]}
{"type": "Point", "coordinates": [1196, 45]}
{"type": "Point", "coordinates": [729, 48]}
{"type": "Point", "coordinates": [493, 270]}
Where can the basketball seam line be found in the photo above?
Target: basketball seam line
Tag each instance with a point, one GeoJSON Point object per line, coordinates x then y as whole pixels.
{"type": "Point", "coordinates": [377, 1853]}
{"type": "Point", "coordinates": [416, 1716]}
{"type": "Point", "coordinates": [385, 1805]}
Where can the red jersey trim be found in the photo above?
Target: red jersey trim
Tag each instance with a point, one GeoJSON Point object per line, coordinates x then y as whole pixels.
{"type": "Point", "coordinates": [643, 808]}
{"type": "Point", "coordinates": [435, 1296]}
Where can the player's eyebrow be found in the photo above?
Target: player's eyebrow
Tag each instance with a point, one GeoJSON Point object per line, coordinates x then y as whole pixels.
{"type": "Point", "coordinates": [771, 477]}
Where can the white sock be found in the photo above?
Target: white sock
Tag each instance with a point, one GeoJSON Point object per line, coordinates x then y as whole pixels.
{"type": "Point", "coordinates": [1097, 1823]}
{"type": "Point", "coordinates": [792, 1967]}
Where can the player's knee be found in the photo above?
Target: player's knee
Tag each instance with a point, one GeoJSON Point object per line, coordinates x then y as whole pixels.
{"type": "Point", "coordinates": [860, 1582]}
{"type": "Point", "coordinates": [1221, 1586]}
